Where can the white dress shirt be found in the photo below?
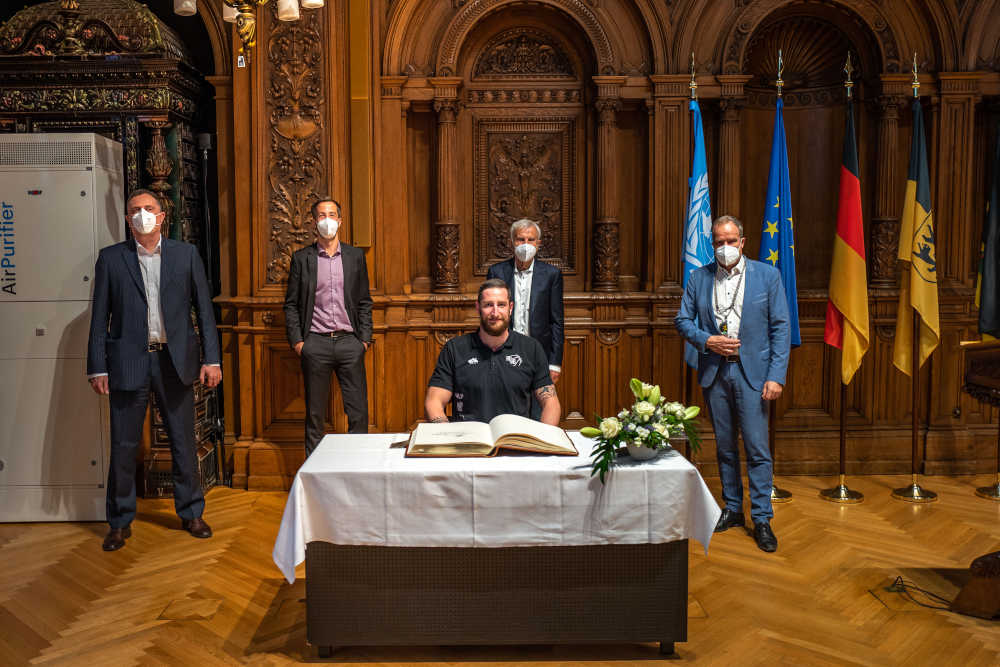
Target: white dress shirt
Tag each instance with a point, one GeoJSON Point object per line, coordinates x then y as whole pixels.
{"type": "Point", "coordinates": [522, 299]}
{"type": "Point", "coordinates": [522, 303]}
{"type": "Point", "coordinates": [149, 264]}
{"type": "Point", "coordinates": [727, 297]}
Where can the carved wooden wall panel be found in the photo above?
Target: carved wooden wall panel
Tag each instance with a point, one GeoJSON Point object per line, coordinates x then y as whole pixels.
{"type": "Point", "coordinates": [525, 168]}
{"type": "Point", "coordinates": [582, 79]}
{"type": "Point", "coordinates": [295, 108]}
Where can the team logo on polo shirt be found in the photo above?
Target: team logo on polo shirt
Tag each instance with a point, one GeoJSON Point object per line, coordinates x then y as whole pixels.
{"type": "Point", "coordinates": [514, 360]}
{"type": "Point", "coordinates": [473, 360]}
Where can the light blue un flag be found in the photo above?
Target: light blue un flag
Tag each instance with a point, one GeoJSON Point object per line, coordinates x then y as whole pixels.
{"type": "Point", "coordinates": [777, 243]}
{"type": "Point", "coordinates": [698, 232]}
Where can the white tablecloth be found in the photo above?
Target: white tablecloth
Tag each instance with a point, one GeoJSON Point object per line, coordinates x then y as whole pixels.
{"type": "Point", "coordinates": [360, 490]}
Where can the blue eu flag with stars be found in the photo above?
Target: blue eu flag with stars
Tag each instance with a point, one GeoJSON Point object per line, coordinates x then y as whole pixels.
{"type": "Point", "coordinates": [777, 243]}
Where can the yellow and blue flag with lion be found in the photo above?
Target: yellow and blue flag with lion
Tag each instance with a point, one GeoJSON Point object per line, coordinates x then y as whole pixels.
{"type": "Point", "coordinates": [918, 288]}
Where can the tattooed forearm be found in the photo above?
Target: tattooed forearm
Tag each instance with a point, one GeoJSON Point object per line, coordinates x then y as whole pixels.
{"type": "Point", "coordinates": [545, 393]}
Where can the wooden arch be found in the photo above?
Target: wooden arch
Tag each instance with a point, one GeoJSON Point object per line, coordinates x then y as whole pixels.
{"type": "Point", "coordinates": [462, 23]}
{"type": "Point", "coordinates": [746, 22]}
{"type": "Point", "coordinates": [218, 31]}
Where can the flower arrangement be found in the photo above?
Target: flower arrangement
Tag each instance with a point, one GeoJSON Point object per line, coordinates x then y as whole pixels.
{"type": "Point", "coordinates": [648, 423]}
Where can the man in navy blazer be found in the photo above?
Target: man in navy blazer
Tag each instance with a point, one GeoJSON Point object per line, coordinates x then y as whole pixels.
{"type": "Point", "coordinates": [735, 313]}
{"type": "Point", "coordinates": [536, 290]}
{"type": "Point", "coordinates": [142, 339]}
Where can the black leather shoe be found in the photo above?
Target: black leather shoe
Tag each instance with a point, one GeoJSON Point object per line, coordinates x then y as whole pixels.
{"type": "Point", "coordinates": [115, 539]}
{"type": "Point", "coordinates": [765, 536]}
{"type": "Point", "coordinates": [197, 527]}
{"type": "Point", "coordinates": [729, 519]}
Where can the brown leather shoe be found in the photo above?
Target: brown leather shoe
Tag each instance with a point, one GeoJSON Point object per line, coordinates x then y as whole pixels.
{"type": "Point", "coordinates": [115, 539]}
{"type": "Point", "coordinates": [197, 527]}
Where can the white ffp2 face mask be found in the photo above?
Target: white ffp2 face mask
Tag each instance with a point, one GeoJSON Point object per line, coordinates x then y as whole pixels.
{"type": "Point", "coordinates": [328, 227]}
{"type": "Point", "coordinates": [143, 221]}
{"type": "Point", "coordinates": [727, 255]}
{"type": "Point", "coordinates": [525, 252]}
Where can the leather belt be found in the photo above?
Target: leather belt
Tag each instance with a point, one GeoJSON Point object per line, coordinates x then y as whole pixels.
{"type": "Point", "coordinates": [732, 358]}
{"type": "Point", "coordinates": [332, 334]}
{"type": "Point", "coordinates": [157, 347]}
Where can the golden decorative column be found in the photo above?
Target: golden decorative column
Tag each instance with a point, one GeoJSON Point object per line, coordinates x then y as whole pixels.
{"type": "Point", "coordinates": [606, 233]}
{"type": "Point", "coordinates": [159, 166]}
{"type": "Point", "coordinates": [446, 237]}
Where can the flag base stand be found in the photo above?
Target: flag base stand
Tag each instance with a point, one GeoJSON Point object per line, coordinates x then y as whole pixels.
{"type": "Point", "coordinates": [780, 495]}
{"type": "Point", "coordinates": [991, 492]}
{"type": "Point", "coordinates": [914, 493]}
{"type": "Point", "coordinates": [842, 494]}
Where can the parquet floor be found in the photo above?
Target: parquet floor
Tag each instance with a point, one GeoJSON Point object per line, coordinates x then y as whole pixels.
{"type": "Point", "coordinates": [167, 598]}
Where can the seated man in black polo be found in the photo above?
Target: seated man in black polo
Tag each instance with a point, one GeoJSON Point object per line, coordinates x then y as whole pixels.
{"type": "Point", "coordinates": [493, 371]}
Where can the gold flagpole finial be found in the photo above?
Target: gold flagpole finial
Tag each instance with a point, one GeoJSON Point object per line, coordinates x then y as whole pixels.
{"type": "Point", "coordinates": [781, 68]}
{"type": "Point", "coordinates": [694, 84]}
{"type": "Point", "coordinates": [849, 69]}
{"type": "Point", "coordinates": [916, 80]}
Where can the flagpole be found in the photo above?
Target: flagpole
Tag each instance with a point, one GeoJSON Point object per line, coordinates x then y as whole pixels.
{"type": "Point", "coordinates": [914, 493]}
{"type": "Point", "coordinates": [840, 493]}
{"type": "Point", "coordinates": [778, 495]}
{"type": "Point", "coordinates": [689, 390]}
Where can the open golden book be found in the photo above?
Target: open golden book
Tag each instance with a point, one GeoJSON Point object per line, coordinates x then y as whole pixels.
{"type": "Point", "coordinates": [481, 439]}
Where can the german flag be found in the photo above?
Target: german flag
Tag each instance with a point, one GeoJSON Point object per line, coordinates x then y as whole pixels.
{"type": "Point", "coordinates": [847, 308]}
{"type": "Point", "coordinates": [918, 288]}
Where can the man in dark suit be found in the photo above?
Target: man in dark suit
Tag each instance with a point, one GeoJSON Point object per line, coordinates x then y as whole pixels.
{"type": "Point", "coordinates": [328, 320]}
{"type": "Point", "coordinates": [537, 292]}
{"type": "Point", "coordinates": [734, 311]}
{"type": "Point", "coordinates": [142, 338]}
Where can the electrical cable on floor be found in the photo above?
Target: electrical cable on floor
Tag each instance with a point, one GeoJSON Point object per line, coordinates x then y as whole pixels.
{"type": "Point", "coordinates": [900, 585]}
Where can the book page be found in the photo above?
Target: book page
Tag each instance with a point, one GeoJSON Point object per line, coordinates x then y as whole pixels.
{"type": "Point", "coordinates": [451, 439]}
{"type": "Point", "coordinates": [523, 433]}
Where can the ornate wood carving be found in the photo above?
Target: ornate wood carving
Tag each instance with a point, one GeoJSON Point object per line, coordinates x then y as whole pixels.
{"type": "Point", "coordinates": [884, 224]}
{"type": "Point", "coordinates": [471, 13]}
{"type": "Point", "coordinates": [525, 169]}
{"type": "Point", "coordinates": [159, 165]}
{"type": "Point", "coordinates": [752, 14]}
{"type": "Point", "coordinates": [606, 234]}
{"type": "Point", "coordinates": [523, 53]}
{"type": "Point", "coordinates": [101, 27]}
{"type": "Point", "coordinates": [295, 106]}
{"type": "Point", "coordinates": [532, 96]}
{"type": "Point", "coordinates": [447, 241]}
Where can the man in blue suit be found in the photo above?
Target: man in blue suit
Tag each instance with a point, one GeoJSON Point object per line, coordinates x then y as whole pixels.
{"type": "Point", "coordinates": [536, 290]}
{"type": "Point", "coordinates": [735, 313]}
{"type": "Point", "coordinates": [142, 339]}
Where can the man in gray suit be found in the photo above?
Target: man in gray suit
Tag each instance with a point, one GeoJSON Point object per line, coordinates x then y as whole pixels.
{"type": "Point", "coordinates": [735, 313]}
{"type": "Point", "coordinates": [142, 339]}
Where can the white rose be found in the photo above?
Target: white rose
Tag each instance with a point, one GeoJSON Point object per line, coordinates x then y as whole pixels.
{"type": "Point", "coordinates": [661, 429]}
{"type": "Point", "coordinates": [644, 409]}
{"type": "Point", "coordinates": [675, 409]}
{"type": "Point", "coordinates": [610, 427]}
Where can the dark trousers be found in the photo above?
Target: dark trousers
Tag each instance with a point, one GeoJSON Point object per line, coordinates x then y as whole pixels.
{"type": "Point", "coordinates": [323, 356]}
{"type": "Point", "coordinates": [128, 412]}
